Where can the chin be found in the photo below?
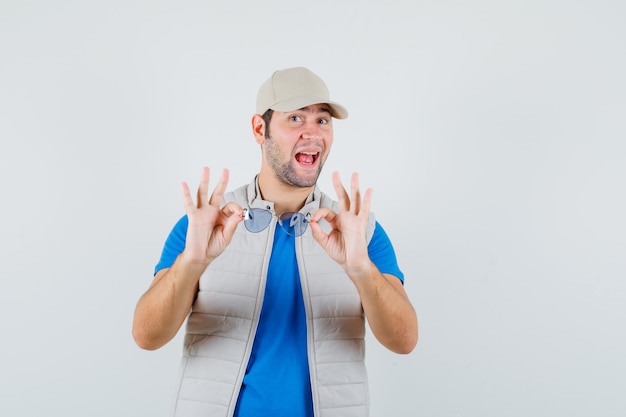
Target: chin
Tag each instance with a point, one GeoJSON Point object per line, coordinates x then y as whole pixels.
{"type": "Point", "coordinates": [289, 175]}
{"type": "Point", "coordinates": [300, 181]}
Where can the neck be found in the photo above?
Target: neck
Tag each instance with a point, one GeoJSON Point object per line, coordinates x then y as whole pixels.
{"type": "Point", "coordinates": [286, 197]}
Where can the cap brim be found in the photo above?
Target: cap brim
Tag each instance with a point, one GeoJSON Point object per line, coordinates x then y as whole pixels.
{"type": "Point", "coordinates": [336, 109]}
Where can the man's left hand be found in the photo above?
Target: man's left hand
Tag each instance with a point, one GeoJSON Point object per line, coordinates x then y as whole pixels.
{"type": "Point", "coordinates": [346, 242]}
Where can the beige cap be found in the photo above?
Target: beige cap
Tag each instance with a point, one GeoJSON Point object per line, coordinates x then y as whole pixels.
{"type": "Point", "coordinates": [294, 88]}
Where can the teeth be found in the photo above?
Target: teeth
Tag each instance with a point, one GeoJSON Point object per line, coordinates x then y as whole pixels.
{"type": "Point", "coordinates": [309, 153]}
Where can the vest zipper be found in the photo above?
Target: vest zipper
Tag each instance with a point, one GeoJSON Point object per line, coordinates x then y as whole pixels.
{"type": "Point", "coordinates": [257, 314]}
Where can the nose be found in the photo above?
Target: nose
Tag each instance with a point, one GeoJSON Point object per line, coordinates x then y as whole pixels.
{"type": "Point", "coordinates": [311, 136]}
{"type": "Point", "coordinates": [312, 132]}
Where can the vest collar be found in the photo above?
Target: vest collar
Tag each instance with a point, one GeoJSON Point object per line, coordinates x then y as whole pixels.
{"type": "Point", "coordinates": [311, 204]}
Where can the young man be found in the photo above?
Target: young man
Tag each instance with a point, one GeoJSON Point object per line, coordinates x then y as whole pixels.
{"type": "Point", "coordinates": [275, 279]}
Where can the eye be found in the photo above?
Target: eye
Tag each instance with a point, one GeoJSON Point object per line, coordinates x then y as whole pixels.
{"type": "Point", "coordinates": [295, 118]}
{"type": "Point", "coordinates": [323, 121]}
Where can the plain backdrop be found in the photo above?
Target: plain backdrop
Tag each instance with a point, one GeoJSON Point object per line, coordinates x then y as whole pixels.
{"type": "Point", "coordinates": [492, 132]}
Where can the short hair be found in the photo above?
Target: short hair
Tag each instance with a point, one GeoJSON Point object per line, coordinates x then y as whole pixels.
{"type": "Point", "coordinates": [267, 116]}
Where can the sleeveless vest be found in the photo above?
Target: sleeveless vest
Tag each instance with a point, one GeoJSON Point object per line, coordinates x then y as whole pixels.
{"type": "Point", "coordinates": [222, 324]}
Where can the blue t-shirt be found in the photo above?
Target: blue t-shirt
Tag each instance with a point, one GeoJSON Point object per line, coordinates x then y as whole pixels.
{"type": "Point", "coordinates": [277, 381]}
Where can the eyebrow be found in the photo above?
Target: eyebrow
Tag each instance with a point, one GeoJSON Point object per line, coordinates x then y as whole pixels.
{"type": "Point", "coordinates": [323, 109]}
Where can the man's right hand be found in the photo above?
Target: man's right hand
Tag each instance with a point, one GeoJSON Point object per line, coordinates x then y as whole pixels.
{"type": "Point", "coordinates": [162, 309]}
{"type": "Point", "coordinates": [211, 227]}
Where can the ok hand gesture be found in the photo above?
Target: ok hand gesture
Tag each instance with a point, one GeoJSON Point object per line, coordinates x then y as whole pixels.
{"type": "Point", "coordinates": [346, 242]}
{"type": "Point", "coordinates": [211, 227]}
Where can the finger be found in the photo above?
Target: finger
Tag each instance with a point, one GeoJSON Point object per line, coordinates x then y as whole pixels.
{"type": "Point", "coordinates": [342, 194]}
{"type": "Point", "coordinates": [232, 208]}
{"type": "Point", "coordinates": [367, 203]}
{"type": "Point", "coordinates": [324, 213]}
{"type": "Point", "coordinates": [187, 200]}
{"type": "Point", "coordinates": [235, 216]}
{"type": "Point", "coordinates": [220, 189]}
{"type": "Point", "coordinates": [355, 205]}
{"type": "Point", "coordinates": [318, 234]}
{"type": "Point", "coordinates": [203, 188]}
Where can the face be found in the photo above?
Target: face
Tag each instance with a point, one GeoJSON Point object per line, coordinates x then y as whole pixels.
{"type": "Point", "coordinates": [298, 144]}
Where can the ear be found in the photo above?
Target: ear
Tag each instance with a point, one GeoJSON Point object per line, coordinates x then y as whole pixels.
{"type": "Point", "coordinates": [258, 129]}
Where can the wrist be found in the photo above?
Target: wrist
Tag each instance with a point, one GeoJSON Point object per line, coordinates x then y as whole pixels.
{"type": "Point", "coordinates": [361, 270]}
{"type": "Point", "coordinates": [191, 262]}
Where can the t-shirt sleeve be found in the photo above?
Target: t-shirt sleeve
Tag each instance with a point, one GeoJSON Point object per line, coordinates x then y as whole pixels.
{"type": "Point", "coordinates": [174, 245]}
{"type": "Point", "coordinates": [381, 252]}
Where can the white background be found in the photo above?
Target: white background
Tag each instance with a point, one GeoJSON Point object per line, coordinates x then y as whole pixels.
{"type": "Point", "coordinates": [492, 132]}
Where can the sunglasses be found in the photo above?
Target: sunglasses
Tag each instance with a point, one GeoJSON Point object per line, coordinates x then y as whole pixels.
{"type": "Point", "coordinates": [257, 220]}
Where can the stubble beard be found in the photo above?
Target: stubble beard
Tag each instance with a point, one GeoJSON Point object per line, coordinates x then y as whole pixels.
{"type": "Point", "coordinates": [285, 170]}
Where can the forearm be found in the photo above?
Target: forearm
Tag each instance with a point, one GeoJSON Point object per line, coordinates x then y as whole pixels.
{"type": "Point", "coordinates": [163, 308]}
{"type": "Point", "coordinates": [388, 310]}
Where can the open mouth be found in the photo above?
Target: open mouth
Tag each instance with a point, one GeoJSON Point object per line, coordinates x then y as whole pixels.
{"type": "Point", "coordinates": [307, 158]}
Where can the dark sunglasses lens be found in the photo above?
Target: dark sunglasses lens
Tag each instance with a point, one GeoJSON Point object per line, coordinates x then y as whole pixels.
{"type": "Point", "coordinates": [293, 223]}
{"type": "Point", "coordinates": [258, 219]}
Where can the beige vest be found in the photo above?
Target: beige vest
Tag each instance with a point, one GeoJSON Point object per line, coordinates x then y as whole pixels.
{"type": "Point", "coordinates": [222, 324]}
